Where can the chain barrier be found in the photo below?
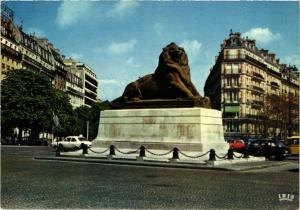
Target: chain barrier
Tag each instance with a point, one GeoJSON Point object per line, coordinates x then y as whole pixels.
{"type": "Point", "coordinates": [126, 153]}
{"type": "Point", "coordinates": [99, 152]}
{"type": "Point", "coordinates": [159, 154]}
{"type": "Point", "coordinates": [238, 156]}
{"type": "Point", "coordinates": [224, 157]}
{"type": "Point", "coordinates": [162, 154]}
{"type": "Point", "coordinates": [193, 156]}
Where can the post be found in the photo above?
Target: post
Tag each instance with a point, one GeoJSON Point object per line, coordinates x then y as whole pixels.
{"type": "Point", "coordinates": [112, 150]}
{"type": "Point", "coordinates": [212, 155]}
{"type": "Point", "coordinates": [246, 153]}
{"type": "Point", "coordinates": [175, 153]}
{"type": "Point", "coordinates": [87, 130]}
{"type": "Point", "coordinates": [230, 154]}
{"type": "Point", "coordinates": [84, 149]}
{"type": "Point", "coordinates": [142, 151]}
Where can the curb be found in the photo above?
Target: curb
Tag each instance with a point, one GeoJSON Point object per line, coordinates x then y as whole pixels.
{"type": "Point", "coordinates": [135, 163]}
{"type": "Point", "coordinates": [228, 167]}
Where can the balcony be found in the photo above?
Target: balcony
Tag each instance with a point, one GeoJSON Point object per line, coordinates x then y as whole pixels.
{"type": "Point", "coordinates": [257, 104]}
{"type": "Point", "coordinates": [257, 77]}
{"type": "Point", "coordinates": [75, 92]}
{"type": "Point", "coordinates": [258, 89]}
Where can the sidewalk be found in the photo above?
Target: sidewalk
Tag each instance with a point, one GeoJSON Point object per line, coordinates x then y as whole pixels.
{"type": "Point", "coordinates": [242, 166]}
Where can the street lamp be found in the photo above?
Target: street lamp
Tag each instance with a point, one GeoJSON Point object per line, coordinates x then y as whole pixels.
{"type": "Point", "coordinates": [87, 129]}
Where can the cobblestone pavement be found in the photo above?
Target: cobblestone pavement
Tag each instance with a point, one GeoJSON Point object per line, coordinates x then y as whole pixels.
{"type": "Point", "coordinates": [29, 183]}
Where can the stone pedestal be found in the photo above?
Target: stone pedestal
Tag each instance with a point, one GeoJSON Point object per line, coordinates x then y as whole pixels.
{"type": "Point", "coordinates": [194, 130]}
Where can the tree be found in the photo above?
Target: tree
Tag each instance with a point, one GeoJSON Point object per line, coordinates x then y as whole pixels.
{"type": "Point", "coordinates": [62, 108]}
{"type": "Point", "coordinates": [83, 114]}
{"type": "Point", "coordinates": [91, 114]}
{"type": "Point", "coordinates": [95, 117]}
{"type": "Point", "coordinates": [27, 99]}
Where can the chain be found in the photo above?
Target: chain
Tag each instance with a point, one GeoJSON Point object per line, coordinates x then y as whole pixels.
{"type": "Point", "coordinates": [126, 153]}
{"type": "Point", "coordinates": [193, 156]}
{"type": "Point", "coordinates": [221, 157]}
{"type": "Point", "coordinates": [98, 152]}
{"type": "Point", "coordinates": [237, 156]}
{"type": "Point", "coordinates": [159, 154]}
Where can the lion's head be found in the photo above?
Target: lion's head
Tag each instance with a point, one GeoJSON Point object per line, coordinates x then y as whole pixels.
{"type": "Point", "coordinates": [172, 53]}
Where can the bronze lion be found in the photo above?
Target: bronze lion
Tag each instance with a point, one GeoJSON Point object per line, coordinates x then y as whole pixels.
{"type": "Point", "coordinates": [171, 80]}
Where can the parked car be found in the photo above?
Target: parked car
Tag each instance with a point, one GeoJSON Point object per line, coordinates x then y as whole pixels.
{"type": "Point", "coordinates": [71, 143]}
{"type": "Point", "coordinates": [271, 149]}
{"type": "Point", "coordinates": [237, 144]}
{"type": "Point", "coordinates": [293, 144]}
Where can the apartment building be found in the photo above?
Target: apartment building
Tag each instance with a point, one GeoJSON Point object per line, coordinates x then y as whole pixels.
{"type": "Point", "coordinates": [257, 95]}
{"type": "Point", "coordinates": [88, 78]}
{"type": "Point", "coordinates": [21, 50]}
{"type": "Point", "coordinates": [74, 85]}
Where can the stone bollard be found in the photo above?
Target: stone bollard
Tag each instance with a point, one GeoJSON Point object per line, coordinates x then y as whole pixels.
{"type": "Point", "coordinates": [230, 154]}
{"type": "Point", "coordinates": [175, 154]}
{"type": "Point", "coordinates": [84, 149]}
{"type": "Point", "coordinates": [142, 151]}
{"type": "Point", "coordinates": [212, 155]}
{"type": "Point", "coordinates": [112, 150]}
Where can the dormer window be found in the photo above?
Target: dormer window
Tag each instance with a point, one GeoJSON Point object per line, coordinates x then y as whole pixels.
{"type": "Point", "coordinates": [233, 42]}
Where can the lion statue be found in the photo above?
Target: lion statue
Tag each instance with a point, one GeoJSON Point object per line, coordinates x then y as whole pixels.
{"type": "Point", "coordinates": [171, 80]}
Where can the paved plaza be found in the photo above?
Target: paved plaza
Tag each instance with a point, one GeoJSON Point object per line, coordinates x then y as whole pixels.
{"type": "Point", "coordinates": [30, 183]}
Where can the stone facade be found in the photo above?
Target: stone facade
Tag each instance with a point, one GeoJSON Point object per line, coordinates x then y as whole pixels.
{"type": "Point", "coordinates": [257, 95]}
{"type": "Point", "coordinates": [88, 83]}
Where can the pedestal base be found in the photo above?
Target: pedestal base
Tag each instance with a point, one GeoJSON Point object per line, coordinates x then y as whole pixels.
{"type": "Point", "coordinates": [195, 130]}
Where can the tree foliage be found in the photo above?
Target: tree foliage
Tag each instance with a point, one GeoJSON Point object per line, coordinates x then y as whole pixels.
{"type": "Point", "coordinates": [26, 99]}
{"type": "Point", "coordinates": [29, 101]}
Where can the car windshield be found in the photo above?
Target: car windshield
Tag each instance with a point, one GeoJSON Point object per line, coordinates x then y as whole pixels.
{"type": "Point", "coordinates": [279, 143]}
{"type": "Point", "coordinates": [82, 139]}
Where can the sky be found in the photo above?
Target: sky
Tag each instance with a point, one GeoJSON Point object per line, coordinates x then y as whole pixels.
{"type": "Point", "coordinates": [121, 40]}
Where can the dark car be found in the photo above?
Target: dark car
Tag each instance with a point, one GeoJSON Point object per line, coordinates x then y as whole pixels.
{"type": "Point", "coordinates": [271, 149]}
{"type": "Point", "coordinates": [237, 145]}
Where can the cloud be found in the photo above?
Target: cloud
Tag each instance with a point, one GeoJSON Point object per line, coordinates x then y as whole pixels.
{"type": "Point", "coordinates": [130, 62]}
{"type": "Point", "coordinates": [111, 82]}
{"type": "Point", "coordinates": [70, 12]}
{"type": "Point", "coordinates": [76, 56]}
{"type": "Point", "coordinates": [121, 47]}
{"type": "Point", "coordinates": [192, 48]}
{"type": "Point", "coordinates": [123, 7]}
{"type": "Point", "coordinates": [37, 32]}
{"type": "Point", "coordinates": [110, 88]}
{"type": "Point", "coordinates": [262, 35]}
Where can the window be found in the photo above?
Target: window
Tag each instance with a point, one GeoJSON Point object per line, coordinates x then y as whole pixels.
{"type": "Point", "coordinates": [235, 68]}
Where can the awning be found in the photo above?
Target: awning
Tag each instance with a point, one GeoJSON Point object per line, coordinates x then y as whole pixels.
{"type": "Point", "coordinates": [232, 109]}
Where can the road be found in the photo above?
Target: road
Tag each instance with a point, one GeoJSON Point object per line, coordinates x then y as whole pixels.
{"type": "Point", "coordinates": [29, 183]}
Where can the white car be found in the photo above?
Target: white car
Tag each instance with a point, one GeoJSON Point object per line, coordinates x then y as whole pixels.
{"type": "Point", "coordinates": [71, 143]}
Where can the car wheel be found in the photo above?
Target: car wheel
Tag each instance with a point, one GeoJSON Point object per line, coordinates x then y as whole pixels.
{"type": "Point", "coordinates": [272, 157]}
